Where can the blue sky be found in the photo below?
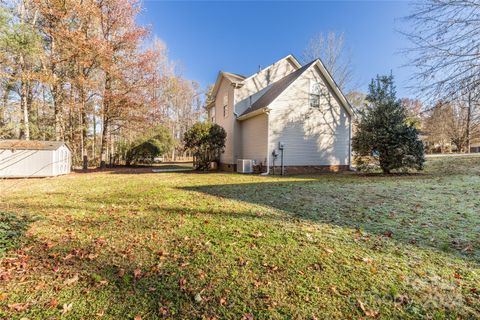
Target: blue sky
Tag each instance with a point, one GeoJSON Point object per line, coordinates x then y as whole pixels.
{"type": "Point", "coordinates": [205, 37]}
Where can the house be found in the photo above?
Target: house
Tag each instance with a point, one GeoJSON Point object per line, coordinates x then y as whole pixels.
{"type": "Point", "coordinates": [27, 158]}
{"type": "Point", "coordinates": [287, 111]}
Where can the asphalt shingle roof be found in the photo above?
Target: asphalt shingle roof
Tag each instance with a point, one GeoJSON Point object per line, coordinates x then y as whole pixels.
{"type": "Point", "coordinates": [276, 89]}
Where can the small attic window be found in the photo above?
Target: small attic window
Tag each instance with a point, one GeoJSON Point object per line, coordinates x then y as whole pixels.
{"type": "Point", "coordinates": [315, 94]}
{"type": "Point", "coordinates": [225, 106]}
{"type": "Point", "coordinates": [212, 114]}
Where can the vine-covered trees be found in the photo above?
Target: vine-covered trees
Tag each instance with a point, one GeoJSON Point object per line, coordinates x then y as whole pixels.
{"type": "Point", "coordinates": [384, 135]}
{"type": "Point", "coordinates": [206, 141]}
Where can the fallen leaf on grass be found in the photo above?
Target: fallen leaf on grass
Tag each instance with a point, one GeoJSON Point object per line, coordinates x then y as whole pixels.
{"type": "Point", "coordinates": [247, 316]}
{"type": "Point", "coordinates": [258, 235]}
{"type": "Point", "coordinates": [329, 251]}
{"type": "Point", "coordinates": [138, 317]}
{"type": "Point", "coordinates": [18, 306]}
{"type": "Point", "coordinates": [368, 312]}
{"type": "Point", "coordinates": [388, 234]}
{"type": "Point", "coordinates": [334, 290]}
{"type": "Point", "coordinates": [49, 245]}
{"type": "Point", "coordinates": [68, 257]}
{"type": "Point", "coordinates": [53, 303]}
{"type": "Point", "coordinates": [92, 256]}
{"type": "Point", "coordinates": [71, 280]}
{"type": "Point", "coordinates": [164, 312]}
{"type": "Point", "coordinates": [223, 301]}
{"type": "Point", "coordinates": [367, 260]}
{"type": "Point", "coordinates": [67, 308]}
{"type": "Point", "coordinates": [242, 262]}
{"type": "Point", "coordinates": [182, 283]}
{"type": "Point", "coordinates": [137, 273]}
{"type": "Point", "coordinates": [198, 298]}
{"type": "Point", "coordinates": [121, 272]}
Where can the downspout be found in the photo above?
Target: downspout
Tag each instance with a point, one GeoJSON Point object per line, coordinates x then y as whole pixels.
{"type": "Point", "coordinates": [268, 148]}
{"type": "Point", "coordinates": [350, 167]}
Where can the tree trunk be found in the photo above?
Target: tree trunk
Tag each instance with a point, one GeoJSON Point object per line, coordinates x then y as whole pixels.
{"type": "Point", "coordinates": [94, 144]}
{"type": "Point", "coordinates": [104, 142]}
{"type": "Point", "coordinates": [6, 93]}
{"type": "Point", "coordinates": [83, 124]}
{"type": "Point", "coordinates": [469, 120]}
{"type": "Point", "coordinates": [56, 112]}
{"type": "Point", "coordinates": [25, 133]}
{"type": "Point", "coordinates": [105, 124]}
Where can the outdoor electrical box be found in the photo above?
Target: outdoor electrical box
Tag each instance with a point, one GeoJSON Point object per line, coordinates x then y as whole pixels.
{"type": "Point", "coordinates": [280, 145]}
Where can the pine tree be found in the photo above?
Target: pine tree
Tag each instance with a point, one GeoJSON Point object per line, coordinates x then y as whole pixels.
{"type": "Point", "coordinates": [384, 135]}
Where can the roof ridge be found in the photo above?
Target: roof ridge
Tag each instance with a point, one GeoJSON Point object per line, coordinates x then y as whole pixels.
{"type": "Point", "coordinates": [276, 89]}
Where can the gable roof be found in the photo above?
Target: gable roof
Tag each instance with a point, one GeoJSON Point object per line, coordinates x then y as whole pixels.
{"type": "Point", "coordinates": [232, 77]}
{"type": "Point", "coordinates": [276, 89]}
{"type": "Point", "coordinates": [30, 145]}
{"type": "Point", "coordinates": [238, 79]}
{"type": "Point", "coordinates": [290, 57]}
{"type": "Point", "coordinates": [281, 85]}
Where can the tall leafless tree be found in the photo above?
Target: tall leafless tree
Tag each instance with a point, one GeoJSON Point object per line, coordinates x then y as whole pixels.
{"type": "Point", "coordinates": [330, 48]}
{"type": "Point", "coordinates": [445, 50]}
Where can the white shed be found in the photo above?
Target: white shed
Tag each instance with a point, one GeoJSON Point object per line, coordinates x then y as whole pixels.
{"type": "Point", "coordinates": [28, 158]}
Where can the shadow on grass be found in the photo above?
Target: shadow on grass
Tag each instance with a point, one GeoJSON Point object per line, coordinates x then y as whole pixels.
{"type": "Point", "coordinates": [131, 279]}
{"type": "Point", "coordinates": [98, 278]}
{"type": "Point", "coordinates": [12, 230]}
{"type": "Point", "coordinates": [139, 169]}
{"type": "Point", "coordinates": [416, 214]}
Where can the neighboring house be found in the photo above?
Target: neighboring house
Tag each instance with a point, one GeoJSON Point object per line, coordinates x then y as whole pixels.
{"type": "Point", "coordinates": [299, 107]}
{"type": "Point", "coordinates": [27, 158]}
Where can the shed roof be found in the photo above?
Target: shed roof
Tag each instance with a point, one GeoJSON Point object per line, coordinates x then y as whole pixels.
{"type": "Point", "coordinates": [30, 145]}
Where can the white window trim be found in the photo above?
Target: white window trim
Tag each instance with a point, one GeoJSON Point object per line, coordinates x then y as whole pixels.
{"type": "Point", "coordinates": [225, 106]}
{"type": "Point", "coordinates": [314, 94]}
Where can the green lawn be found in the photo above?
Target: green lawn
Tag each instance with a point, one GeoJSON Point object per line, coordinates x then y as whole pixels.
{"type": "Point", "coordinates": [118, 245]}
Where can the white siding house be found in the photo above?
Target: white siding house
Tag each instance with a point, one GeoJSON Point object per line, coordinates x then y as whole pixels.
{"type": "Point", "coordinates": [24, 159]}
{"type": "Point", "coordinates": [286, 104]}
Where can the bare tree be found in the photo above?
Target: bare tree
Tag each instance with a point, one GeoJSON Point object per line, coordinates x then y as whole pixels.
{"type": "Point", "coordinates": [445, 126]}
{"type": "Point", "coordinates": [330, 48]}
{"type": "Point", "coordinates": [445, 50]}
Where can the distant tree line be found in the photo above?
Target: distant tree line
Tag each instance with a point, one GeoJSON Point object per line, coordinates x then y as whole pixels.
{"type": "Point", "coordinates": [85, 72]}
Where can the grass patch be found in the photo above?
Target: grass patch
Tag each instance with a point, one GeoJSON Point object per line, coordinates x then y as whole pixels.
{"type": "Point", "coordinates": [115, 245]}
{"type": "Point", "coordinates": [12, 229]}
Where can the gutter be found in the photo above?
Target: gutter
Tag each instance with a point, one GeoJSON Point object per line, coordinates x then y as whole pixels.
{"type": "Point", "coordinates": [268, 146]}
{"type": "Point", "coordinates": [253, 113]}
{"type": "Point", "coordinates": [350, 167]}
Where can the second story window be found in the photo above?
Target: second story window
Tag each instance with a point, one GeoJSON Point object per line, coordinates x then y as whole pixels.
{"type": "Point", "coordinates": [315, 95]}
{"type": "Point", "coordinates": [212, 114]}
{"type": "Point", "coordinates": [225, 106]}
